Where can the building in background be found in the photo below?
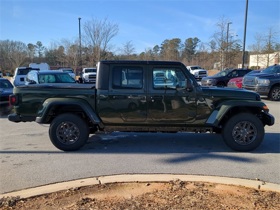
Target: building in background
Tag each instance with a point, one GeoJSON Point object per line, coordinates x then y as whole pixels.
{"type": "Point", "coordinates": [259, 61]}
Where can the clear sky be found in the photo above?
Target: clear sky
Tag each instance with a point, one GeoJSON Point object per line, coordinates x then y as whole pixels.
{"type": "Point", "coordinates": [145, 23]}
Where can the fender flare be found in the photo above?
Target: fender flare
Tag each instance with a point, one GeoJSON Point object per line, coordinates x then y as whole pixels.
{"type": "Point", "coordinates": [48, 105]}
{"type": "Point", "coordinates": [223, 108]}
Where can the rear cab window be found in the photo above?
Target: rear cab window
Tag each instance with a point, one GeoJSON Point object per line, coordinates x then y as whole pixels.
{"type": "Point", "coordinates": [127, 77]}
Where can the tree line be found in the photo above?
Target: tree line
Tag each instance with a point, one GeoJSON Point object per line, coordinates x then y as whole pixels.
{"type": "Point", "coordinates": [223, 51]}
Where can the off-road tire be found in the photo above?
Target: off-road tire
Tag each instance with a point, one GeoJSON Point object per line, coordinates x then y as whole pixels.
{"type": "Point", "coordinates": [243, 132]}
{"type": "Point", "coordinates": [274, 93]}
{"type": "Point", "coordinates": [68, 132]}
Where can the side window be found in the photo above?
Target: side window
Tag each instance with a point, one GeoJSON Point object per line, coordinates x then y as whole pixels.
{"type": "Point", "coordinates": [233, 74]}
{"type": "Point", "coordinates": [168, 78]}
{"type": "Point", "coordinates": [41, 78]}
{"type": "Point", "coordinates": [129, 77]}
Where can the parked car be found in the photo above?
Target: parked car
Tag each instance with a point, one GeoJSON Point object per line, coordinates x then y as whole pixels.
{"type": "Point", "coordinates": [48, 76]}
{"type": "Point", "coordinates": [221, 78]}
{"type": "Point", "coordinates": [197, 71]}
{"type": "Point", "coordinates": [237, 82]}
{"type": "Point", "coordinates": [88, 75]}
{"type": "Point", "coordinates": [20, 74]}
{"type": "Point", "coordinates": [266, 83]}
{"type": "Point", "coordinates": [6, 89]}
{"type": "Point", "coordinates": [70, 71]}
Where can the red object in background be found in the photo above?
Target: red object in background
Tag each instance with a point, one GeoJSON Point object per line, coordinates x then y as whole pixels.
{"type": "Point", "coordinates": [235, 82]}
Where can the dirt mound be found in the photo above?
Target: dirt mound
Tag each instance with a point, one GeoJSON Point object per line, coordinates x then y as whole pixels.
{"type": "Point", "coordinates": [155, 195]}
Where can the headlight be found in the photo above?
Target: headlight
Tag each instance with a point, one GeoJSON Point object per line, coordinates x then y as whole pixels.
{"type": "Point", "coordinates": [262, 82]}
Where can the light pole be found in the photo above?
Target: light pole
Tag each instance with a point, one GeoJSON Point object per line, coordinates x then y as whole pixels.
{"type": "Point", "coordinates": [244, 38]}
{"type": "Point", "coordinates": [80, 43]}
{"type": "Point", "coordinates": [227, 42]}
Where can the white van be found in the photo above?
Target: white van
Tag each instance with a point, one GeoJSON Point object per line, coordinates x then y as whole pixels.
{"type": "Point", "coordinates": [20, 74]}
{"type": "Point", "coordinates": [41, 66]}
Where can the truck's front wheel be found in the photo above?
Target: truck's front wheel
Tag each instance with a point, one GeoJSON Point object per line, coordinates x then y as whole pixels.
{"type": "Point", "coordinates": [243, 132]}
{"type": "Point", "coordinates": [274, 93]}
{"type": "Point", "coordinates": [68, 132]}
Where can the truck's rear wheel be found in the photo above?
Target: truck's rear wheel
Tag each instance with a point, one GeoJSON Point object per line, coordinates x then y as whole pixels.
{"type": "Point", "coordinates": [68, 132]}
{"type": "Point", "coordinates": [243, 132]}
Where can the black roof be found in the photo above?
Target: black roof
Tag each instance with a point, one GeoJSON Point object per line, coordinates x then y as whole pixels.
{"type": "Point", "coordinates": [141, 62]}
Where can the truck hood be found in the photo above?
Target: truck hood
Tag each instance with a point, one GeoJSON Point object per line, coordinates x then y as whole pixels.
{"type": "Point", "coordinates": [264, 75]}
{"type": "Point", "coordinates": [6, 91]}
{"type": "Point", "coordinates": [229, 93]}
{"type": "Point", "coordinates": [90, 73]}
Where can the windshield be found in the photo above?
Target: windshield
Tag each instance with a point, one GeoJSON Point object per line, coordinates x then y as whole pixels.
{"type": "Point", "coordinates": [222, 73]}
{"type": "Point", "coordinates": [272, 70]}
{"type": "Point", "coordinates": [68, 70]}
{"type": "Point", "coordinates": [23, 71]}
{"type": "Point", "coordinates": [195, 67]}
{"type": "Point", "coordinates": [5, 84]}
{"type": "Point", "coordinates": [90, 70]}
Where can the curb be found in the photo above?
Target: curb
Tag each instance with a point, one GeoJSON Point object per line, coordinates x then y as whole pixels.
{"type": "Point", "coordinates": [31, 192]}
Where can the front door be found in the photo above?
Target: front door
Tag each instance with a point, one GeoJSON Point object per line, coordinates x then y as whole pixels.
{"type": "Point", "coordinates": [168, 99]}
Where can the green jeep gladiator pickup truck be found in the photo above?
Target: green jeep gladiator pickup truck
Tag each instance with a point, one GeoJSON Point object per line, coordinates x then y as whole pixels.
{"type": "Point", "coordinates": [142, 96]}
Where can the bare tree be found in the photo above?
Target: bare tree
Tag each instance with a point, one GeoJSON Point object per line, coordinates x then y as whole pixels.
{"type": "Point", "coordinates": [128, 49]}
{"type": "Point", "coordinates": [98, 34]}
{"type": "Point", "coordinates": [256, 49]}
{"type": "Point", "coordinates": [224, 42]}
{"type": "Point", "coordinates": [270, 44]}
{"type": "Point", "coordinates": [71, 52]}
{"type": "Point", "coordinates": [265, 46]}
{"type": "Point", "coordinates": [13, 53]}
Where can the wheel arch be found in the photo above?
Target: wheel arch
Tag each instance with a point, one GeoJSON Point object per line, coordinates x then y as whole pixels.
{"type": "Point", "coordinates": [53, 107]}
{"type": "Point", "coordinates": [230, 108]}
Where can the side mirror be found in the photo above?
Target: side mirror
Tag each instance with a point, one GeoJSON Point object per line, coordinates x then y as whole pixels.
{"type": "Point", "coordinates": [189, 85]}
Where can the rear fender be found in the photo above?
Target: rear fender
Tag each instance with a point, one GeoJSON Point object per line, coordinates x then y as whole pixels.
{"type": "Point", "coordinates": [51, 103]}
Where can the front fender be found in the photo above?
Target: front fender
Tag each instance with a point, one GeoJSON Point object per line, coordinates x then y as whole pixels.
{"type": "Point", "coordinates": [222, 109]}
{"type": "Point", "coordinates": [51, 103]}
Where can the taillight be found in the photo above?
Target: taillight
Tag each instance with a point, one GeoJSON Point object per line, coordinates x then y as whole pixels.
{"type": "Point", "coordinates": [13, 100]}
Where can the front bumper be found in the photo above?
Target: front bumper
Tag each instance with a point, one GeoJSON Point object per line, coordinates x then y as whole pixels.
{"type": "Point", "coordinates": [262, 90]}
{"type": "Point", "coordinates": [90, 81]}
{"type": "Point", "coordinates": [268, 119]}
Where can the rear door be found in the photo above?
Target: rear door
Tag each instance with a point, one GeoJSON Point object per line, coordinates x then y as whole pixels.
{"type": "Point", "coordinates": [125, 100]}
